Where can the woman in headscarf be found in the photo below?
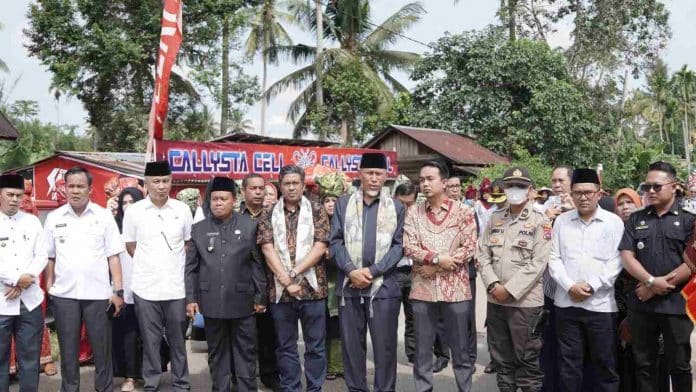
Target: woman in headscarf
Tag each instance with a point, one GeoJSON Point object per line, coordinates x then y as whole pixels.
{"type": "Point", "coordinates": [331, 187]}
{"type": "Point", "coordinates": [126, 350]}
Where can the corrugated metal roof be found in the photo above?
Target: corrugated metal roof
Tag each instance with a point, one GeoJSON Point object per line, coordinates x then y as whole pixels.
{"type": "Point", "coordinates": [460, 149]}
{"type": "Point", "coordinates": [257, 139]}
{"type": "Point", "coordinates": [7, 130]}
{"type": "Point", "coordinates": [132, 163]}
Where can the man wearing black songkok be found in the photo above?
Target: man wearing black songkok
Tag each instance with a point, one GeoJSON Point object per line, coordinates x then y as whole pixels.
{"type": "Point", "coordinates": [226, 283]}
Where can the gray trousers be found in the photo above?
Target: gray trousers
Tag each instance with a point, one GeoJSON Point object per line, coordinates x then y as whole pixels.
{"type": "Point", "coordinates": [154, 319]}
{"type": "Point", "coordinates": [354, 319]}
{"type": "Point", "coordinates": [69, 314]}
{"type": "Point", "coordinates": [456, 318]}
{"type": "Point", "coordinates": [514, 341]}
{"type": "Point", "coordinates": [227, 339]}
{"type": "Point", "coordinates": [27, 329]}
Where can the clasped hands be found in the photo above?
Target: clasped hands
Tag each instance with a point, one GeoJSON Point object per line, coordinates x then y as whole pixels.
{"type": "Point", "coordinates": [25, 280]}
{"type": "Point", "coordinates": [662, 285]}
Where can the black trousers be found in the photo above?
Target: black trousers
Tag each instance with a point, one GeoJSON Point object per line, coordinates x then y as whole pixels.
{"type": "Point", "coordinates": [27, 329]}
{"type": "Point", "coordinates": [69, 314]}
{"type": "Point", "coordinates": [440, 349]}
{"type": "Point", "coordinates": [549, 351]}
{"type": "Point", "coordinates": [581, 330]}
{"type": "Point", "coordinates": [232, 338]}
{"type": "Point", "coordinates": [676, 331]}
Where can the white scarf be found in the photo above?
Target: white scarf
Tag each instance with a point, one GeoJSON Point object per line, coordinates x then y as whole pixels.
{"type": "Point", "coordinates": [303, 245]}
{"type": "Point", "coordinates": [354, 234]}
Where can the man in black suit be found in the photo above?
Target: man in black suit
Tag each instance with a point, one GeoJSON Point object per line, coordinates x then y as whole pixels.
{"type": "Point", "coordinates": [226, 283]}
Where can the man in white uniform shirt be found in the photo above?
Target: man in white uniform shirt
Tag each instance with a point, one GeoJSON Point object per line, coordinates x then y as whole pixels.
{"type": "Point", "coordinates": [157, 230]}
{"type": "Point", "coordinates": [585, 263]}
{"type": "Point", "coordinates": [22, 258]}
{"type": "Point", "coordinates": [83, 244]}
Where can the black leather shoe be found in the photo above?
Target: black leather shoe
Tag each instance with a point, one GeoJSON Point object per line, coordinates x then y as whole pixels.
{"type": "Point", "coordinates": [440, 364]}
{"type": "Point", "coordinates": [270, 381]}
{"type": "Point", "coordinates": [489, 369]}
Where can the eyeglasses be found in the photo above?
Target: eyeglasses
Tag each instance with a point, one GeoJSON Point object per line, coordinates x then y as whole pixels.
{"type": "Point", "coordinates": [580, 194]}
{"type": "Point", "coordinates": [646, 187]}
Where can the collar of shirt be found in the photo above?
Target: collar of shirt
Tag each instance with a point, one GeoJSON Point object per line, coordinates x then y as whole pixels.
{"type": "Point", "coordinates": [673, 209]}
{"type": "Point", "coordinates": [446, 205]}
{"type": "Point", "coordinates": [14, 217]}
{"type": "Point", "coordinates": [599, 215]}
{"type": "Point", "coordinates": [245, 210]}
{"type": "Point", "coordinates": [523, 215]}
{"type": "Point", "coordinates": [150, 204]}
{"type": "Point", "coordinates": [88, 209]}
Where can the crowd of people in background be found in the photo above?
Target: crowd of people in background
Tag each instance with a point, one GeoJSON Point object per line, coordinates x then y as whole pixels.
{"type": "Point", "coordinates": [583, 288]}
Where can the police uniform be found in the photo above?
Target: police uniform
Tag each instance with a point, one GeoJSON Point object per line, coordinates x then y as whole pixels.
{"type": "Point", "coordinates": [513, 252]}
{"type": "Point", "coordinates": [658, 243]}
{"type": "Point", "coordinates": [225, 277]}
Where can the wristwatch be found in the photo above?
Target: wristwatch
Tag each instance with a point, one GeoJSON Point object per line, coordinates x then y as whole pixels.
{"type": "Point", "coordinates": [118, 293]}
{"type": "Point", "coordinates": [650, 282]}
{"type": "Point", "coordinates": [436, 259]}
{"type": "Point", "coordinates": [292, 274]}
{"type": "Point", "coordinates": [491, 286]}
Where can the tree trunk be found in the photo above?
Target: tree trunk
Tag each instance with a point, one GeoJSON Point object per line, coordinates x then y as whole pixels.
{"type": "Point", "coordinates": [224, 91]}
{"type": "Point", "coordinates": [318, 68]}
{"type": "Point", "coordinates": [263, 99]}
{"type": "Point", "coordinates": [344, 131]}
{"type": "Point", "coordinates": [512, 19]}
{"type": "Point", "coordinates": [687, 141]}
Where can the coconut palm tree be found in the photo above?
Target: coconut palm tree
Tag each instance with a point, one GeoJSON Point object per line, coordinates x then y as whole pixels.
{"type": "Point", "coordinates": [3, 66]}
{"type": "Point", "coordinates": [355, 39]}
{"type": "Point", "coordinates": [266, 32]}
{"type": "Point", "coordinates": [684, 82]}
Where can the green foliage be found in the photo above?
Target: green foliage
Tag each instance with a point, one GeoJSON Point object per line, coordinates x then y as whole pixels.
{"type": "Point", "coordinates": [507, 95]}
{"type": "Point", "coordinates": [539, 170]}
{"type": "Point", "coordinates": [104, 54]}
{"type": "Point", "coordinates": [347, 25]}
{"type": "Point", "coordinates": [37, 140]}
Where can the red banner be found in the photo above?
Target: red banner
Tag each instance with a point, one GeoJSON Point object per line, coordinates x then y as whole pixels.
{"type": "Point", "coordinates": [191, 160]}
{"type": "Point", "coordinates": [170, 41]}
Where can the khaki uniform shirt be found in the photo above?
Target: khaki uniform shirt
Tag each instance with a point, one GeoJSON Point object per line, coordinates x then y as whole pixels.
{"type": "Point", "coordinates": [514, 252]}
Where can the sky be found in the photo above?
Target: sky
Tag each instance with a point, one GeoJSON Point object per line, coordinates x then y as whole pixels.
{"type": "Point", "coordinates": [33, 79]}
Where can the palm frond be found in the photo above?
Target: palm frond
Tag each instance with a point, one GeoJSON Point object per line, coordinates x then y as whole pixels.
{"type": "Point", "coordinates": [393, 83]}
{"type": "Point", "coordinates": [297, 53]}
{"type": "Point", "coordinates": [304, 100]}
{"type": "Point", "coordinates": [296, 79]}
{"type": "Point", "coordinates": [388, 32]}
{"type": "Point", "coordinates": [393, 59]}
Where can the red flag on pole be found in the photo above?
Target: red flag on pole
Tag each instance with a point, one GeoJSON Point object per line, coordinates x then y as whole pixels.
{"type": "Point", "coordinates": [170, 41]}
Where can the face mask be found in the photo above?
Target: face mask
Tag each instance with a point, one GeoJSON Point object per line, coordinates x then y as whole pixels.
{"type": "Point", "coordinates": [516, 196]}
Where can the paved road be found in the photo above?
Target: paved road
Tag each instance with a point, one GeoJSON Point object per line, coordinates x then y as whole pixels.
{"type": "Point", "coordinates": [444, 382]}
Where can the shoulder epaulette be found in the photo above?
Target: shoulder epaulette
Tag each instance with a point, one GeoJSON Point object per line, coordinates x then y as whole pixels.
{"type": "Point", "coordinates": [690, 210]}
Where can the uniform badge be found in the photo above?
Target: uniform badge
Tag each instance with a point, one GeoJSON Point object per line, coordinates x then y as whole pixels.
{"type": "Point", "coordinates": [547, 231]}
{"type": "Point", "coordinates": [528, 225]}
{"type": "Point", "coordinates": [642, 223]}
{"type": "Point", "coordinates": [522, 243]}
{"type": "Point", "coordinates": [498, 224]}
{"type": "Point", "coordinates": [676, 223]}
{"type": "Point", "coordinates": [493, 240]}
{"type": "Point", "coordinates": [517, 173]}
{"type": "Point", "coordinates": [211, 244]}
{"type": "Point", "coordinates": [640, 245]}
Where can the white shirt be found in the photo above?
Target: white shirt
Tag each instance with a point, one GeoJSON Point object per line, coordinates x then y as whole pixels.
{"type": "Point", "coordinates": [160, 257]}
{"type": "Point", "coordinates": [22, 251]}
{"type": "Point", "coordinates": [127, 276]}
{"type": "Point", "coordinates": [586, 252]}
{"type": "Point", "coordinates": [483, 215]}
{"type": "Point", "coordinates": [81, 246]}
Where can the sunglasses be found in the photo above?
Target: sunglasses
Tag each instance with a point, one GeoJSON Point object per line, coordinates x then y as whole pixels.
{"type": "Point", "coordinates": [646, 187]}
